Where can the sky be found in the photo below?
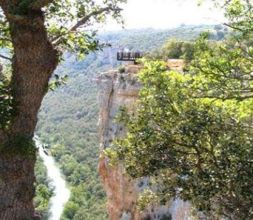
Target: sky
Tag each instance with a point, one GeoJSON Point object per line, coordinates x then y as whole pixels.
{"type": "Point", "coordinates": [162, 14]}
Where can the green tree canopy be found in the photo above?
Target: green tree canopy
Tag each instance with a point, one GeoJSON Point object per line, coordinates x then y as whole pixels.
{"type": "Point", "coordinates": [174, 49]}
{"type": "Point", "coordinates": [34, 35]}
{"type": "Point", "coordinates": [193, 131]}
{"type": "Point", "coordinates": [71, 26]}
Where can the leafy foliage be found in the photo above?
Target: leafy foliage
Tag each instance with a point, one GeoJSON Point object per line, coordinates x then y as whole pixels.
{"type": "Point", "coordinates": [68, 117]}
{"type": "Point", "coordinates": [174, 49]}
{"type": "Point", "coordinates": [228, 69]}
{"type": "Point", "coordinates": [70, 25]}
{"type": "Point", "coordinates": [193, 131]}
{"type": "Point", "coordinates": [6, 107]}
{"type": "Point", "coordinates": [184, 48]}
{"type": "Point", "coordinates": [68, 22]}
{"type": "Point", "coordinates": [200, 146]}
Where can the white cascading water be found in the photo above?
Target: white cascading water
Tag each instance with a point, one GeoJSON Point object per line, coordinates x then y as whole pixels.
{"type": "Point", "coordinates": [61, 191]}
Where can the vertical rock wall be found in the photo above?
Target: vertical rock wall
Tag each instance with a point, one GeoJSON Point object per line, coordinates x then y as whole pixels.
{"type": "Point", "coordinates": [115, 90]}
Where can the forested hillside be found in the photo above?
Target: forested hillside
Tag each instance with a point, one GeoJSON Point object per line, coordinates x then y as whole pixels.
{"type": "Point", "coordinates": [69, 115]}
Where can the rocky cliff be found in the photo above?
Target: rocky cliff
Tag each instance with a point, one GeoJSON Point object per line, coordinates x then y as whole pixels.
{"type": "Point", "coordinates": [115, 90]}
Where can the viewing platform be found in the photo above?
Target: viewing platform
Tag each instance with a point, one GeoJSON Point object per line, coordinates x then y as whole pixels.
{"type": "Point", "coordinates": [129, 56]}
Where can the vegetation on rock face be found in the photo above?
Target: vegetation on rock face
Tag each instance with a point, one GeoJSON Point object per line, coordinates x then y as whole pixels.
{"type": "Point", "coordinates": [69, 127]}
{"type": "Point", "coordinates": [193, 132]}
{"type": "Point", "coordinates": [201, 146]}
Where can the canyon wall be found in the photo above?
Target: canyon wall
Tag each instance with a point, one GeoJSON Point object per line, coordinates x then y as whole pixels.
{"type": "Point", "coordinates": [118, 89]}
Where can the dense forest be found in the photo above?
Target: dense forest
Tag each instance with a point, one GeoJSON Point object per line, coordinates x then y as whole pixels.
{"type": "Point", "coordinates": [182, 150]}
{"type": "Point", "coordinates": [69, 116]}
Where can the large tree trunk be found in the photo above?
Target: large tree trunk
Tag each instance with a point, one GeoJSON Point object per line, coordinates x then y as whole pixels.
{"type": "Point", "coordinates": [33, 63]}
{"type": "Point", "coordinates": [16, 187]}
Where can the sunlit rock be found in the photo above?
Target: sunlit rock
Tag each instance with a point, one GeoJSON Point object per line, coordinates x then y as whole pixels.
{"type": "Point", "coordinates": [117, 89]}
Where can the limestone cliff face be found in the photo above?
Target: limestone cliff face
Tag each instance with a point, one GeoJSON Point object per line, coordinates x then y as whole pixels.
{"type": "Point", "coordinates": [116, 90]}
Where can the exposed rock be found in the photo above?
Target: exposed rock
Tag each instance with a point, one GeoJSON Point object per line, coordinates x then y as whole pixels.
{"type": "Point", "coordinates": [176, 64]}
{"type": "Point", "coordinates": [115, 90]}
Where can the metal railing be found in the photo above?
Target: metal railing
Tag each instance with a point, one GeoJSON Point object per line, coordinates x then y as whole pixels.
{"type": "Point", "coordinates": [128, 56]}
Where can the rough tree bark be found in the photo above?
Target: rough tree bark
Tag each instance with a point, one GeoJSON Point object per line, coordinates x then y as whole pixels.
{"type": "Point", "coordinates": [16, 187]}
{"type": "Point", "coordinates": [33, 63]}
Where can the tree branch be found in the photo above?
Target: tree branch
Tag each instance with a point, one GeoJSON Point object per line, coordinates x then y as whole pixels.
{"type": "Point", "coordinates": [5, 57]}
{"type": "Point", "coordinates": [228, 97]}
{"type": "Point", "coordinates": [94, 13]}
{"type": "Point", "coordinates": [233, 27]}
{"type": "Point", "coordinates": [84, 20]}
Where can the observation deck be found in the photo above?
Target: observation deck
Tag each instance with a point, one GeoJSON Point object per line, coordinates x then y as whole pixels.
{"type": "Point", "coordinates": [129, 56]}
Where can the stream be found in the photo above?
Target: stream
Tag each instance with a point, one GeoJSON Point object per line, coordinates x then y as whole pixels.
{"type": "Point", "coordinates": [61, 191]}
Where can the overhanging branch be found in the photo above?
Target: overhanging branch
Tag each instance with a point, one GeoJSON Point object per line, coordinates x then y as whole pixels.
{"type": "Point", "coordinates": [233, 27]}
{"type": "Point", "coordinates": [90, 15]}
{"type": "Point", "coordinates": [56, 40]}
{"type": "Point", "coordinates": [5, 57]}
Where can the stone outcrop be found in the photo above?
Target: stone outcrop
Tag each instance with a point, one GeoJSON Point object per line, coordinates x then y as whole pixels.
{"type": "Point", "coordinates": [176, 64]}
{"type": "Point", "coordinates": [115, 90]}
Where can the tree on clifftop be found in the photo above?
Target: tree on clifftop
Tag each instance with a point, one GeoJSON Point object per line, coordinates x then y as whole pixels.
{"type": "Point", "coordinates": [193, 132]}
{"type": "Point", "coordinates": [36, 33]}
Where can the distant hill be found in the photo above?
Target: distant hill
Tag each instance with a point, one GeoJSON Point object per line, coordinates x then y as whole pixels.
{"type": "Point", "coordinates": [144, 40]}
{"type": "Point", "coordinates": [68, 116]}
